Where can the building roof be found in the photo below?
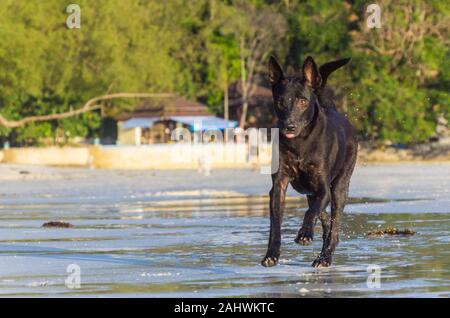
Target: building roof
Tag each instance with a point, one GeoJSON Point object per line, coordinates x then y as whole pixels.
{"type": "Point", "coordinates": [260, 96]}
{"type": "Point", "coordinates": [165, 108]}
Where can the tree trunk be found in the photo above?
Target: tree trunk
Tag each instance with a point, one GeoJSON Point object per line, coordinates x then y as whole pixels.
{"type": "Point", "coordinates": [244, 114]}
{"type": "Point", "coordinates": [212, 9]}
{"type": "Point", "coordinates": [226, 115]}
{"type": "Point", "coordinates": [244, 87]}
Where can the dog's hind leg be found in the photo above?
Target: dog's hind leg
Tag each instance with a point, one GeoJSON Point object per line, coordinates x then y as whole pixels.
{"type": "Point", "coordinates": [323, 217]}
{"type": "Point", "coordinates": [325, 220]}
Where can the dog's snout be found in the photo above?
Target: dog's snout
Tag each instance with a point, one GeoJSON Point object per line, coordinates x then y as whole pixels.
{"type": "Point", "coordinates": [290, 127]}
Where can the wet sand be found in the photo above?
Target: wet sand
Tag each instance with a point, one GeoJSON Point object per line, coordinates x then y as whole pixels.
{"type": "Point", "coordinates": [179, 234]}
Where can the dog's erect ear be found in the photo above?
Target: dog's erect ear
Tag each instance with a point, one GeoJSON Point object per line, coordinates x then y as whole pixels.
{"type": "Point", "coordinates": [311, 73]}
{"type": "Point", "coordinates": [326, 69]}
{"type": "Point", "coordinates": [276, 74]}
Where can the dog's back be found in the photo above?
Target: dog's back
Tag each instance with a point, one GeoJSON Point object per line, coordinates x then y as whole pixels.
{"type": "Point", "coordinates": [345, 140]}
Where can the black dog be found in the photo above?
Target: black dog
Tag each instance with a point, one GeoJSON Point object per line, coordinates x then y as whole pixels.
{"type": "Point", "coordinates": [317, 154]}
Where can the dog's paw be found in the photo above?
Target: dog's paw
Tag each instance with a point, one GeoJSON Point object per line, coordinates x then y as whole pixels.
{"type": "Point", "coordinates": [322, 261]}
{"type": "Point", "coordinates": [305, 236]}
{"type": "Point", "coordinates": [269, 261]}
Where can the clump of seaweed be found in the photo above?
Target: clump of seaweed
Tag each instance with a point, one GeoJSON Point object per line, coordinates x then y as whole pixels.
{"type": "Point", "coordinates": [391, 231]}
{"type": "Point", "coordinates": [57, 224]}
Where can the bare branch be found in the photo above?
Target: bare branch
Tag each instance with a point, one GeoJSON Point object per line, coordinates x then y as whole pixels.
{"type": "Point", "coordinates": [91, 104]}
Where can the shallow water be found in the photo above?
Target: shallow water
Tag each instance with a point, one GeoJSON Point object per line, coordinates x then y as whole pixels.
{"type": "Point", "coordinates": [150, 234]}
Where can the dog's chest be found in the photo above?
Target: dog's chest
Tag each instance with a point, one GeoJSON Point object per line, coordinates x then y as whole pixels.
{"type": "Point", "coordinates": [303, 175]}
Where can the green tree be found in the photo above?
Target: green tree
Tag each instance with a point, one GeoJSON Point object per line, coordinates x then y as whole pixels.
{"type": "Point", "coordinates": [399, 71]}
{"type": "Point", "coordinates": [47, 68]}
{"type": "Point", "coordinates": [394, 88]}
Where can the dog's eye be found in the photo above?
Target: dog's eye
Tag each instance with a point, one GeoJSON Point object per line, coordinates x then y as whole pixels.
{"type": "Point", "coordinates": [302, 102]}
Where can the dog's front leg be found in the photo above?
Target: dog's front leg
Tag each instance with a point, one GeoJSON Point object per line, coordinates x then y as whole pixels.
{"type": "Point", "coordinates": [321, 199]}
{"type": "Point", "coordinates": [277, 197]}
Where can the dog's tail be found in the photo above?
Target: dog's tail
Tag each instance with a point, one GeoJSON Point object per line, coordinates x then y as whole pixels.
{"type": "Point", "coordinates": [326, 69]}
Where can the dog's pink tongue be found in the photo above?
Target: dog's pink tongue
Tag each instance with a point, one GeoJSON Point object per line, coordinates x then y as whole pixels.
{"type": "Point", "coordinates": [290, 136]}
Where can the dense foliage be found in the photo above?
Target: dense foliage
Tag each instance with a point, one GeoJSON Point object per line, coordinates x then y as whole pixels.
{"type": "Point", "coordinates": [394, 88]}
